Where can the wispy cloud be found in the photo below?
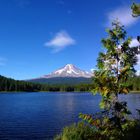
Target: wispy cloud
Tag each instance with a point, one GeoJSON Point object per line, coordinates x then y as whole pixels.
{"type": "Point", "coordinates": [134, 43]}
{"type": "Point", "coordinates": [60, 41]}
{"type": "Point", "coordinates": [123, 14]}
{"type": "Point", "coordinates": [3, 61]}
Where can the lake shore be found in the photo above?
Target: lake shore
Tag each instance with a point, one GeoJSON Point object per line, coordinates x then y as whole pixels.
{"type": "Point", "coordinates": [135, 91]}
{"type": "Point", "coordinates": [57, 91]}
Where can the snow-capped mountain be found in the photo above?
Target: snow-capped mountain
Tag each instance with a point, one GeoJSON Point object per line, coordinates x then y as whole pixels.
{"type": "Point", "coordinates": [69, 75]}
{"type": "Point", "coordinates": [68, 70]}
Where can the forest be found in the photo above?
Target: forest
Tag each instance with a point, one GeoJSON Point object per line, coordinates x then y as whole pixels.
{"type": "Point", "coordinates": [8, 84]}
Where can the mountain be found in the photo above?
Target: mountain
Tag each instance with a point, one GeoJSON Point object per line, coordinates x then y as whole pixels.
{"type": "Point", "coordinates": [69, 74]}
{"type": "Point", "coordinates": [68, 70]}
{"type": "Point", "coordinates": [62, 80]}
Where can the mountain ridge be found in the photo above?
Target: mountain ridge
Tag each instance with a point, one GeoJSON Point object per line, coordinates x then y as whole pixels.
{"type": "Point", "coordinates": [69, 70]}
{"type": "Point", "coordinates": [69, 74]}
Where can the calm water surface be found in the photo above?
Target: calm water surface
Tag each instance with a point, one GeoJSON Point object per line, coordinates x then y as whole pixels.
{"type": "Point", "coordinates": [40, 116]}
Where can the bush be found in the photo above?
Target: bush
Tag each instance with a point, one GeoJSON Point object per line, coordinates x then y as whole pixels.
{"type": "Point", "coordinates": [82, 131]}
{"type": "Point", "coordinates": [78, 131]}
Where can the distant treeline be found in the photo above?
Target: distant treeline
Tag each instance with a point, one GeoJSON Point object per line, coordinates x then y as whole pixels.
{"type": "Point", "coordinates": [8, 84]}
{"type": "Point", "coordinates": [135, 83]}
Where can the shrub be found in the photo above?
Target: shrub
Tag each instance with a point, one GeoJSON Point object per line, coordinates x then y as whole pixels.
{"type": "Point", "coordinates": [80, 131]}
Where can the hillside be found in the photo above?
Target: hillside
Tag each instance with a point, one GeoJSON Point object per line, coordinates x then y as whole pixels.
{"type": "Point", "coordinates": [62, 80]}
{"type": "Point", "coordinates": [8, 84]}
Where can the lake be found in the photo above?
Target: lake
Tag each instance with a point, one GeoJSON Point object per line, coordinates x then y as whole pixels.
{"type": "Point", "coordinates": [40, 116]}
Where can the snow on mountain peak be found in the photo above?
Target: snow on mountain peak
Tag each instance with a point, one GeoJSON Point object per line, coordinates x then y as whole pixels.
{"type": "Point", "coordinates": [69, 70]}
{"type": "Point", "coordinates": [69, 65]}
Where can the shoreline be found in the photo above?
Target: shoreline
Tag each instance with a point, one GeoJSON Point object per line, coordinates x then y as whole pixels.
{"type": "Point", "coordinates": [135, 91]}
{"type": "Point", "coordinates": [57, 91]}
{"type": "Point", "coordinates": [45, 91]}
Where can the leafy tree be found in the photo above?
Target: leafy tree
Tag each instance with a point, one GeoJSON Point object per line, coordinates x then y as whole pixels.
{"type": "Point", "coordinates": [135, 9]}
{"type": "Point", "coordinates": [115, 66]}
{"type": "Point", "coordinates": [135, 13]}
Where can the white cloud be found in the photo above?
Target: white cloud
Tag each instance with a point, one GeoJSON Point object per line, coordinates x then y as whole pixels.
{"type": "Point", "coordinates": [134, 43]}
{"type": "Point", "coordinates": [60, 41]}
{"type": "Point", "coordinates": [123, 14]}
{"type": "Point", "coordinates": [2, 61]}
{"type": "Point", "coordinates": [92, 69]}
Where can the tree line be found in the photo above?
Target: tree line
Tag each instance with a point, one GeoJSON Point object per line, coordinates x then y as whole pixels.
{"type": "Point", "coordinates": [8, 84]}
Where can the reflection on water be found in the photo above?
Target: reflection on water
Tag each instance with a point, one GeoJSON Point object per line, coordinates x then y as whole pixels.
{"type": "Point", "coordinates": [42, 115]}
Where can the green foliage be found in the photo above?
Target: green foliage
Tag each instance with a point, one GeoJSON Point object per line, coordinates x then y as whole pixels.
{"type": "Point", "coordinates": [135, 9]}
{"type": "Point", "coordinates": [106, 131]}
{"type": "Point", "coordinates": [8, 84]}
{"type": "Point", "coordinates": [115, 69]}
{"type": "Point", "coordinates": [78, 131]}
{"type": "Point", "coordinates": [135, 83]}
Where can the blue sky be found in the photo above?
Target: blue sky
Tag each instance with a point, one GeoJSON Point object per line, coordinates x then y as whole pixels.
{"type": "Point", "coordinates": [40, 36]}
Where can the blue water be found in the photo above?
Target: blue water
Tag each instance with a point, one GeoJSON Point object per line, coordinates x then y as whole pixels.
{"type": "Point", "coordinates": [40, 116]}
